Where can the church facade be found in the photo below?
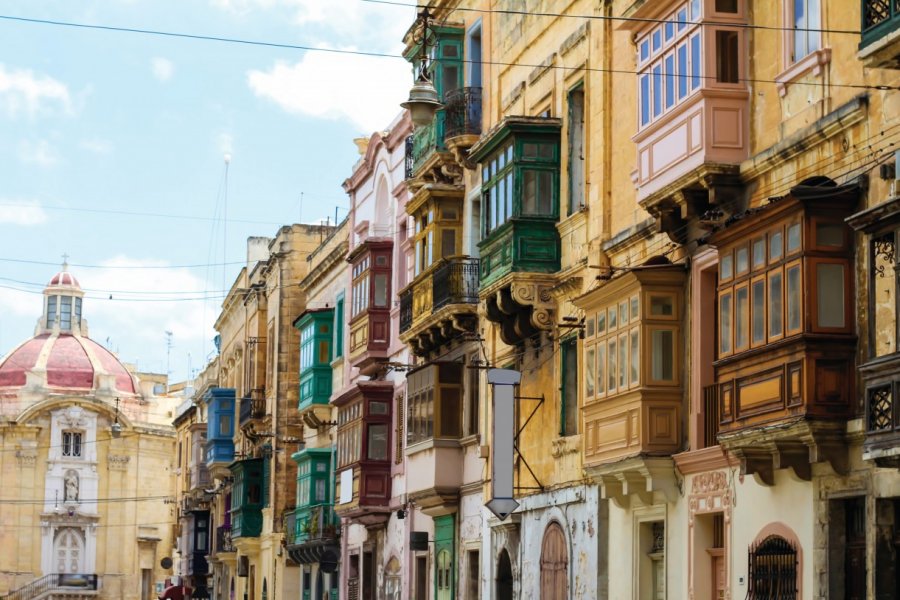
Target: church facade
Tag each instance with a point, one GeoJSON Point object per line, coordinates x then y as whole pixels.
{"type": "Point", "coordinates": [80, 435]}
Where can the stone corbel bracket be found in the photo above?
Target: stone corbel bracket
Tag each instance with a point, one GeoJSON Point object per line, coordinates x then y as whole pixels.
{"type": "Point", "coordinates": [639, 478]}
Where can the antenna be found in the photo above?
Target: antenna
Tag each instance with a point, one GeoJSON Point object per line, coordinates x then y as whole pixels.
{"type": "Point", "coordinates": [225, 223]}
{"type": "Point", "coordinates": [168, 355]}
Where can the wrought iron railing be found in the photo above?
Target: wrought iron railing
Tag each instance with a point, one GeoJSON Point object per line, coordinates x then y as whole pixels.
{"type": "Point", "coordinates": [425, 142]}
{"type": "Point", "coordinates": [711, 412]}
{"type": "Point", "coordinates": [463, 108]}
{"type": "Point", "coordinates": [224, 542]}
{"type": "Point", "coordinates": [253, 405]}
{"type": "Point", "coordinates": [455, 282]}
{"type": "Point", "coordinates": [879, 17]}
{"type": "Point", "coordinates": [406, 312]}
{"type": "Point", "coordinates": [52, 582]}
{"type": "Point", "coordinates": [409, 163]}
{"type": "Point", "coordinates": [289, 521]}
{"type": "Point", "coordinates": [315, 523]}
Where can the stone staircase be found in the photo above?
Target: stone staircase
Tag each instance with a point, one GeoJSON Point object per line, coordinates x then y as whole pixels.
{"type": "Point", "coordinates": [58, 586]}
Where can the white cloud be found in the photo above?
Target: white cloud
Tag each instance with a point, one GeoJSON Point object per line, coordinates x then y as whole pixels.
{"type": "Point", "coordinates": [39, 152]}
{"type": "Point", "coordinates": [96, 145]}
{"type": "Point", "coordinates": [24, 92]}
{"type": "Point", "coordinates": [162, 68]}
{"type": "Point", "coordinates": [22, 212]}
{"type": "Point", "coordinates": [378, 26]}
{"type": "Point", "coordinates": [365, 90]}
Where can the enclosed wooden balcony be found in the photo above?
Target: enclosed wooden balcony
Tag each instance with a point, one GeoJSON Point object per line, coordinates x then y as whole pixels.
{"type": "Point", "coordinates": [440, 305]}
{"type": "Point", "coordinates": [370, 316]}
{"type": "Point", "coordinates": [880, 43]}
{"type": "Point", "coordinates": [632, 383]}
{"type": "Point", "coordinates": [786, 335]}
{"type": "Point", "coordinates": [433, 428]}
{"type": "Point", "coordinates": [363, 485]}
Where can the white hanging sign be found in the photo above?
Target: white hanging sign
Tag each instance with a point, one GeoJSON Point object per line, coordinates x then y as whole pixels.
{"type": "Point", "coordinates": [502, 382]}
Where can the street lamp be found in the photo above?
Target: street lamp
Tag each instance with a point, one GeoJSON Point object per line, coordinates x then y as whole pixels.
{"type": "Point", "coordinates": [423, 98]}
{"type": "Point", "coordinates": [116, 428]}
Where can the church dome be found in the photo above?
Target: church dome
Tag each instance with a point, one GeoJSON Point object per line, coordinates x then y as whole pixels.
{"type": "Point", "coordinates": [61, 356]}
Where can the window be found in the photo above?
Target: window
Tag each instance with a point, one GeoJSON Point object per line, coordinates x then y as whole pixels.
{"type": "Point", "coordinates": [576, 149]}
{"type": "Point", "coordinates": [663, 355]}
{"type": "Point", "coordinates": [65, 313]}
{"type": "Point", "coordinates": [727, 56]}
{"type": "Point", "coordinates": [521, 178]}
{"type": "Point", "coordinates": [72, 444]}
{"type": "Point", "coordinates": [569, 399]}
{"type": "Point", "coordinates": [773, 569]}
{"type": "Point", "coordinates": [669, 59]}
{"type": "Point", "coordinates": [830, 286]}
{"type": "Point", "coordinates": [438, 221]}
{"type": "Point", "coordinates": [339, 326]}
{"type": "Point", "coordinates": [51, 311]}
{"type": "Point", "coordinates": [349, 433]}
{"type": "Point", "coordinates": [434, 402]}
{"type": "Point", "coordinates": [807, 17]}
{"type": "Point", "coordinates": [360, 286]}
{"type": "Point", "coordinates": [473, 378]}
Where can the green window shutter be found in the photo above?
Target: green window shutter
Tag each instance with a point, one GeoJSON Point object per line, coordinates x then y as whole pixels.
{"type": "Point", "coordinates": [339, 327]}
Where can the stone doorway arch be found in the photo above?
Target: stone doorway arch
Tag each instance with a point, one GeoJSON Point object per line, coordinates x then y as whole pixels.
{"type": "Point", "coordinates": [504, 581]}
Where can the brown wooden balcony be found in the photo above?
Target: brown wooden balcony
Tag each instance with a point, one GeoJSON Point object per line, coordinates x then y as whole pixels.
{"type": "Point", "coordinates": [879, 46]}
{"type": "Point", "coordinates": [440, 305]}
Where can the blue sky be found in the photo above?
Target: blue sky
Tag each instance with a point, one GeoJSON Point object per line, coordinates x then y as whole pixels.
{"type": "Point", "coordinates": [98, 121]}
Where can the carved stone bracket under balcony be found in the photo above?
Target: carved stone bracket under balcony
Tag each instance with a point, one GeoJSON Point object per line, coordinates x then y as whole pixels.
{"type": "Point", "coordinates": [796, 445]}
{"type": "Point", "coordinates": [639, 477]}
{"type": "Point", "coordinates": [522, 304]}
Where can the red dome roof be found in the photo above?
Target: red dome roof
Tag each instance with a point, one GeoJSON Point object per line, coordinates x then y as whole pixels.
{"type": "Point", "coordinates": [69, 361]}
{"type": "Point", "coordinates": [63, 278]}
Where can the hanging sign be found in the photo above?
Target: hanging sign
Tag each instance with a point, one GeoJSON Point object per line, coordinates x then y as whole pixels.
{"type": "Point", "coordinates": [502, 382]}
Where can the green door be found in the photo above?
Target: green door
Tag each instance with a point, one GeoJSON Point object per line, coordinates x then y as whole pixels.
{"type": "Point", "coordinates": [444, 569]}
{"type": "Point", "coordinates": [444, 575]}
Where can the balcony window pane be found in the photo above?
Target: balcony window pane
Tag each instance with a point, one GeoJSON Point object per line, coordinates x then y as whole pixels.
{"type": "Point", "coordinates": [225, 426]}
{"type": "Point", "coordinates": [501, 200]}
{"type": "Point", "coordinates": [623, 361]}
{"type": "Point", "coordinates": [663, 355]}
{"type": "Point", "coordinates": [656, 37]}
{"type": "Point", "coordinates": [775, 245]}
{"type": "Point", "coordinates": [448, 248]}
{"type": "Point", "coordinates": [682, 19]}
{"type": "Point", "coordinates": [645, 50]}
{"type": "Point", "coordinates": [695, 61]}
{"type": "Point", "coordinates": [601, 322]}
{"type": "Point", "coordinates": [508, 196]}
{"type": "Point", "coordinates": [670, 79]}
{"type": "Point", "coordinates": [657, 90]}
{"type": "Point", "coordinates": [623, 312]}
{"type": "Point", "coordinates": [601, 367]}
{"type": "Point", "coordinates": [830, 294]}
{"type": "Point", "coordinates": [793, 298]}
{"type": "Point", "coordinates": [662, 306]}
{"type": "Point", "coordinates": [635, 307]}
{"type": "Point", "coordinates": [635, 355]}
{"type": "Point", "coordinates": [727, 57]}
{"type": "Point", "coordinates": [320, 490]}
{"type": "Point", "coordinates": [829, 234]}
{"type": "Point", "coordinates": [381, 285]}
{"type": "Point", "coordinates": [726, 266]}
{"type": "Point", "coordinates": [378, 441]}
{"type": "Point", "coordinates": [741, 317]}
{"type": "Point", "coordinates": [451, 412]}
{"type": "Point", "coordinates": [669, 31]}
{"type": "Point", "coordinates": [695, 10]}
{"type": "Point", "coordinates": [682, 56]}
{"type": "Point", "coordinates": [725, 323]}
{"type": "Point", "coordinates": [776, 313]}
{"type": "Point", "coordinates": [612, 318]}
{"type": "Point", "coordinates": [793, 238]}
{"type": "Point", "coordinates": [645, 99]}
{"type": "Point", "coordinates": [611, 372]}
{"type": "Point", "coordinates": [589, 327]}
{"type": "Point", "coordinates": [758, 293]}
{"type": "Point", "coordinates": [741, 260]}
{"type": "Point", "coordinates": [537, 193]}
{"type": "Point", "coordinates": [759, 253]}
{"type": "Point", "coordinates": [727, 6]}
{"type": "Point", "coordinates": [589, 372]}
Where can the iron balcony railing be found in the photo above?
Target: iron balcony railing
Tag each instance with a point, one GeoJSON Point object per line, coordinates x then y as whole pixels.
{"type": "Point", "coordinates": [223, 539]}
{"type": "Point", "coordinates": [711, 412]}
{"type": "Point", "coordinates": [880, 412]}
{"type": "Point", "coordinates": [463, 108]}
{"type": "Point", "coordinates": [879, 18]}
{"type": "Point", "coordinates": [253, 405]}
{"type": "Point", "coordinates": [456, 282]}
{"type": "Point", "coordinates": [64, 582]}
{"type": "Point", "coordinates": [409, 163]}
{"type": "Point", "coordinates": [406, 310]}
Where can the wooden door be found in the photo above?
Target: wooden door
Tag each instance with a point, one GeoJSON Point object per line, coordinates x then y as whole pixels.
{"type": "Point", "coordinates": [68, 551]}
{"type": "Point", "coordinates": [554, 564]}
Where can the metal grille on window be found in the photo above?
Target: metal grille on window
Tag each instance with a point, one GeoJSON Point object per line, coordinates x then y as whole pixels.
{"type": "Point", "coordinates": [875, 12]}
{"type": "Point", "coordinates": [880, 408]}
{"type": "Point", "coordinates": [773, 570]}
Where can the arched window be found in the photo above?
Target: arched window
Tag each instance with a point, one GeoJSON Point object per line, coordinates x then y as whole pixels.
{"type": "Point", "coordinates": [444, 573]}
{"type": "Point", "coordinates": [773, 569]}
{"type": "Point", "coordinates": [72, 444]}
{"type": "Point", "coordinates": [554, 564]}
{"type": "Point", "coordinates": [265, 590]}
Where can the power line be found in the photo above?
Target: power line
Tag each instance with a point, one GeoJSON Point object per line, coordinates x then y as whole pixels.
{"type": "Point", "coordinates": [581, 67]}
{"type": "Point", "coordinates": [19, 502]}
{"type": "Point", "coordinates": [129, 267]}
{"type": "Point", "coordinates": [674, 21]}
{"type": "Point", "coordinates": [130, 213]}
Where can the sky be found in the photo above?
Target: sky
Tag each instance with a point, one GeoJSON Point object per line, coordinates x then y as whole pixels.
{"type": "Point", "coordinates": [113, 152]}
